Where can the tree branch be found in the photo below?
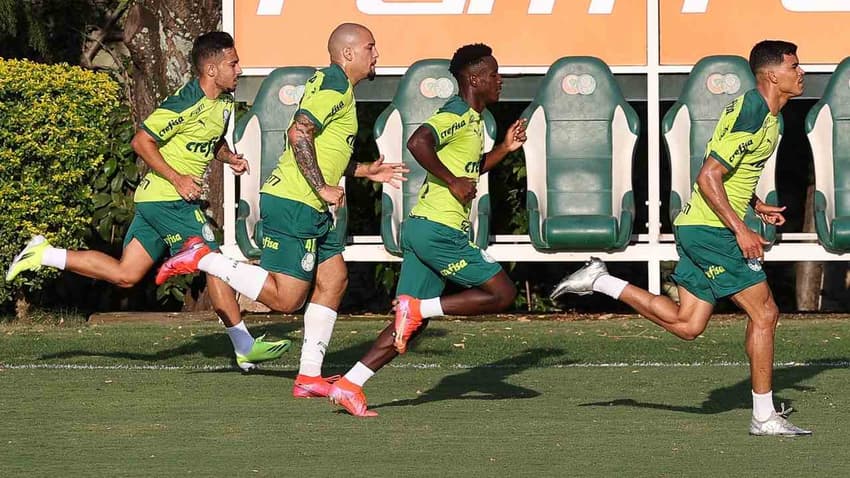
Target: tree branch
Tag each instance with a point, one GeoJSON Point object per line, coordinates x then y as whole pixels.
{"type": "Point", "coordinates": [99, 35]}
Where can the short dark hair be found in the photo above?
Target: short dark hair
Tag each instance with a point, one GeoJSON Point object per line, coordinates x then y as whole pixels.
{"type": "Point", "coordinates": [209, 45]}
{"type": "Point", "coordinates": [468, 55]}
{"type": "Point", "coordinates": [769, 53]}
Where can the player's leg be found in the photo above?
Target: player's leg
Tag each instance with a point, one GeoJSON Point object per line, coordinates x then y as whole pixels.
{"type": "Point", "coordinates": [280, 290]}
{"type": "Point", "coordinates": [184, 226]}
{"type": "Point", "coordinates": [285, 274]}
{"type": "Point", "coordinates": [757, 301]}
{"type": "Point", "coordinates": [688, 319]}
{"type": "Point", "coordinates": [142, 246]}
{"type": "Point", "coordinates": [494, 295]}
{"type": "Point", "coordinates": [448, 251]}
{"type": "Point", "coordinates": [319, 319]}
{"type": "Point", "coordinates": [416, 279]}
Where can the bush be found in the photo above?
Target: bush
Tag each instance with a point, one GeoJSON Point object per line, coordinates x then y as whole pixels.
{"type": "Point", "coordinates": [54, 127]}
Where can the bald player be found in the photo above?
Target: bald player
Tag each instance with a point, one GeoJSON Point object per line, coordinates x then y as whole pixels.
{"type": "Point", "coordinates": [298, 245]}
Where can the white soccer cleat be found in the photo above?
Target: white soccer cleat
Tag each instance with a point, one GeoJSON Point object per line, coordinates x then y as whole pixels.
{"type": "Point", "coordinates": [776, 425]}
{"type": "Point", "coordinates": [581, 281]}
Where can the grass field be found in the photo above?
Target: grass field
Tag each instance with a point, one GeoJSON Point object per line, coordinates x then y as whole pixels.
{"type": "Point", "coordinates": [528, 397]}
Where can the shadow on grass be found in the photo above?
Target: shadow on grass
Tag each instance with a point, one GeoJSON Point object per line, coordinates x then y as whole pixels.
{"type": "Point", "coordinates": [739, 395]}
{"type": "Point", "coordinates": [484, 382]}
{"type": "Point", "coordinates": [209, 345]}
{"type": "Point", "coordinates": [218, 345]}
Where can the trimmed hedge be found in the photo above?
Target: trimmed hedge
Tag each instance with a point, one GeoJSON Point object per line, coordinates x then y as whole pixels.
{"type": "Point", "coordinates": [55, 125]}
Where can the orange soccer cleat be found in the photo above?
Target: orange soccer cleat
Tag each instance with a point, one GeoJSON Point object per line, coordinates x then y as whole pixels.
{"type": "Point", "coordinates": [408, 319]}
{"type": "Point", "coordinates": [350, 397]}
{"type": "Point", "coordinates": [313, 387]}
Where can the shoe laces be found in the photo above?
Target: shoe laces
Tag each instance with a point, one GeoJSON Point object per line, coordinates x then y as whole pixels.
{"type": "Point", "coordinates": [784, 412]}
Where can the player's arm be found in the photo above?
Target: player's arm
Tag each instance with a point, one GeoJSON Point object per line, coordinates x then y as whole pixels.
{"type": "Point", "coordinates": [378, 171]}
{"type": "Point", "coordinates": [237, 162]}
{"type": "Point", "coordinates": [514, 139]}
{"type": "Point", "coordinates": [301, 135]}
{"type": "Point", "coordinates": [423, 146]}
{"type": "Point", "coordinates": [710, 182]}
{"type": "Point", "coordinates": [146, 146]}
{"type": "Point", "coordinates": [767, 213]}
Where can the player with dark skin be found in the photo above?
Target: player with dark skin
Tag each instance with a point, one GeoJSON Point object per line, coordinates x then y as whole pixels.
{"type": "Point", "coordinates": [490, 289]}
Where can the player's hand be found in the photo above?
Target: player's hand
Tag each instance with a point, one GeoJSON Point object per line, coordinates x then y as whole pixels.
{"type": "Point", "coordinates": [238, 164]}
{"type": "Point", "coordinates": [390, 173]}
{"type": "Point", "coordinates": [188, 186]}
{"type": "Point", "coordinates": [333, 195]}
{"type": "Point", "coordinates": [770, 214]}
{"type": "Point", "coordinates": [751, 244]}
{"type": "Point", "coordinates": [515, 136]}
{"type": "Point", "coordinates": [463, 189]}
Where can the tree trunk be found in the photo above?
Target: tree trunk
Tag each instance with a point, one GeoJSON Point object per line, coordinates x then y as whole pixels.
{"type": "Point", "coordinates": [808, 274]}
{"type": "Point", "coordinates": [215, 213]}
{"type": "Point", "coordinates": [159, 36]}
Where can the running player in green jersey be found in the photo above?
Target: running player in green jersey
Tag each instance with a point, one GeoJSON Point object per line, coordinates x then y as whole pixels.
{"type": "Point", "coordinates": [177, 141]}
{"type": "Point", "coordinates": [298, 245]}
{"type": "Point", "coordinates": [719, 255]}
{"type": "Point", "coordinates": [435, 240]}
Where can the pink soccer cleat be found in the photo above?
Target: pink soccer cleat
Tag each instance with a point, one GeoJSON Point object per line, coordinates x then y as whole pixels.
{"type": "Point", "coordinates": [185, 261]}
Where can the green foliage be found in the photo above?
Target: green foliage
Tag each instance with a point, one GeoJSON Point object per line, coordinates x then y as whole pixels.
{"type": "Point", "coordinates": [46, 30]}
{"type": "Point", "coordinates": [117, 177]}
{"type": "Point", "coordinates": [55, 125]}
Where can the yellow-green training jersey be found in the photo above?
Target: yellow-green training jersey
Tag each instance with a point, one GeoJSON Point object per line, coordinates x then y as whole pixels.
{"type": "Point", "coordinates": [744, 139]}
{"type": "Point", "coordinates": [459, 133]}
{"type": "Point", "coordinates": [328, 102]}
{"type": "Point", "coordinates": [186, 126]}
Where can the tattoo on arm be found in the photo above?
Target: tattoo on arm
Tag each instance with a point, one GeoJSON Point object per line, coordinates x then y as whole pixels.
{"type": "Point", "coordinates": [301, 134]}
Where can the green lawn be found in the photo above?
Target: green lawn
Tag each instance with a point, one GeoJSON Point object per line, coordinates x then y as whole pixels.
{"type": "Point", "coordinates": [610, 397]}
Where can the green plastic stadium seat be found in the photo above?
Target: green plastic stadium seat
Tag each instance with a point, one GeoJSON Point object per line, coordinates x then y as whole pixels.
{"type": "Point", "coordinates": [425, 88]}
{"type": "Point", "coordinates": [581, 142]}
{"type": "Point", "coordinates": [260, 135]}
{"type": "Point", "coordinates": [713, 83]}
{"type": "Point", "coordinates": [828, 129]}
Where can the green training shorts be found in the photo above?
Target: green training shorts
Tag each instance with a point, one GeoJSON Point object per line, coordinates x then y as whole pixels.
{"type": "Point", "coordinates": [296, 237]}
{"type": "Point", "coordinates": [160, 225]}
{"type": "Point", "coordinates": [711, 265]}
{"type": "Point", "coordinates": [434, 253]}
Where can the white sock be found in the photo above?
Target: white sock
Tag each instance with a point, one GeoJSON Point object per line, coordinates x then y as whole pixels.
{"type": "Point", "coordinates": [244, 278]}
{"type": "Point", "coordinates": [318, 327]}
{"type": "Point", "coordinates": [241, 338]}
{"type": "Point", "coordinates": [54, 257]}
{"type": "Point", "coordinates": [609, 285]}
{"type": "Point", "coordinates": [358, 374]}
{"type": "Point", "coordinates": [431, 308]}
{"type": "Point", "coordinates": [762, 405]}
